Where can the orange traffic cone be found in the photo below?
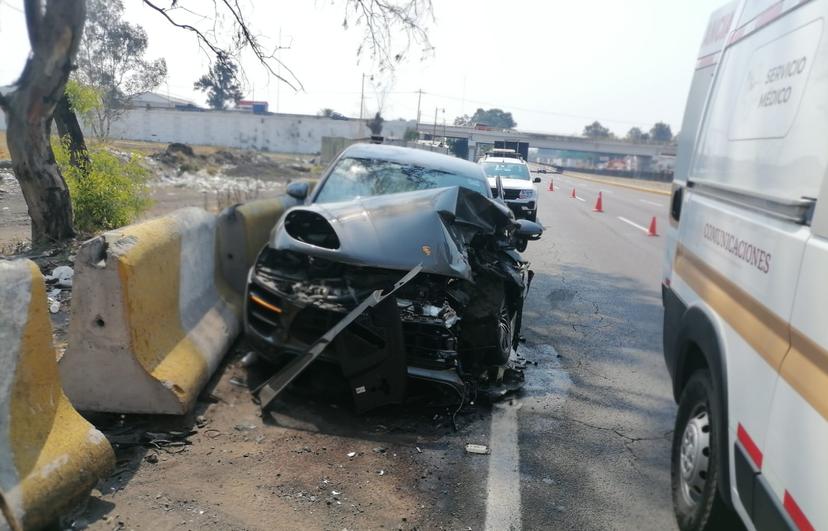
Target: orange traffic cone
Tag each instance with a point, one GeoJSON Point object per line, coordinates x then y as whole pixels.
{"type": "Point", "coordinates": [573, 196]}
{"type": "Point", "coordinates": [599, 204]}
{"type": "Point", "coordinates": [551, 186]}
{"type": "Point", "coordinates": [652, 231]}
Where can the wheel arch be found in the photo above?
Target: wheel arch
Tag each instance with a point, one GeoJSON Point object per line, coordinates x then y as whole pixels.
{"type": "Point", "coordinates": [699, 346]}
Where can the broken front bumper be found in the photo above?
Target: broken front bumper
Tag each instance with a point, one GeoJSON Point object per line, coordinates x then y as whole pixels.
{"type": "Point", "coordinates": [377, 349]}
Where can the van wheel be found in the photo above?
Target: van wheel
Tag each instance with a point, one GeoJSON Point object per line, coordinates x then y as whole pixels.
{"type": "Point", "coordinates": [696, 467]}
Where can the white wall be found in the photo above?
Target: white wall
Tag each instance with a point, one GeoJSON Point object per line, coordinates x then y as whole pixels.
{"type": "Point", "coordinates": [286, 133]}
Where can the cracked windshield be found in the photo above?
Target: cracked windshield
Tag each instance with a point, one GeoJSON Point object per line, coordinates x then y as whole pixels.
{"type": "Point", "coordinates": [413, 264]}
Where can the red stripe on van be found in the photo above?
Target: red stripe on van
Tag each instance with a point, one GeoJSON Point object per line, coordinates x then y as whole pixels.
{"type": "Point", "coordinates": [753, 451]}
{"type": "Point", "coordinates": [707, 60]}
{"type": "Point", "coordinates": [736, 35]}
{"type": "Point", "coordinates": [796, 513]}
{"type": "Point", "coordinates": [769, 15]}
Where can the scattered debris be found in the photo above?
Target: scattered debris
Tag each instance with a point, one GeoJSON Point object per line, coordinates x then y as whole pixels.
{"type": "Point", "coordinates": [479, 449]}
{"type": "Point", "coordinates": [352, 454]}
{"type": "Point", "coordinates": [62, 275]}
{"type": "Point", "coordinates": [244, 427]}
{"type": "Point", "coordinates": [549, 481]}
{"type": "Point", "coordinates": [380, 472]}
{"type": "Point", "coordinates": [238, 382]}
{"type": "Point", "coordinates": [249, 359]}
{"type": "Point", "coordinates": [151, 458]}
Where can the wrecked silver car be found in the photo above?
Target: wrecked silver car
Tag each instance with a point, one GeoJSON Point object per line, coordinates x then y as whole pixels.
{"type": "Point", "coordinates": [332, 284]}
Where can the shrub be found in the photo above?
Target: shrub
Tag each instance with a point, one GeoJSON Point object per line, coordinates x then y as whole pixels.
{"type": "Point", "coordinates": [109, 193]}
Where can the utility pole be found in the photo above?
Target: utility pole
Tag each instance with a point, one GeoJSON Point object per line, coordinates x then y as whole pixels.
{"type": "Point", "coordinates": [278, 70]}
{"type": "Point", "coordinates": [362, 104]}
{"type": "Point", "coordinates": [362, 98]}
{"type": "Point", "coordinates": [419, 99]}
{"type": "Point", "coordinates": [434, 134]}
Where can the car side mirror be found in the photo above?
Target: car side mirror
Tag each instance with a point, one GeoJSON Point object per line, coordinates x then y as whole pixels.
{"type": "Point", "coordinates": [536, 180]}
{"type": "Point", "coordinates": [298, 190]}
{"type": "Point", "coordinates": [528, 230]}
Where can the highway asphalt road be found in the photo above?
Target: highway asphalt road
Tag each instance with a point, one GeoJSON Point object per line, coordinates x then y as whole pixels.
{"type": "Point", "coordinates": [598, 412]}
{"type": "Point", "coordinates": [585, 445]}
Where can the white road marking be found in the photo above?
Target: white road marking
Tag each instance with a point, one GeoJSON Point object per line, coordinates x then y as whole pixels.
{"type": "Point", "coordinates": [653, 203]}
{"type": "Point", "coordinates": [550, 388]}
{"type": "Point", "coordinates": [581, 199]}
{"type": "Point", "coordinates": [503, 508]}
{"type": "Point", "coordinates": [636, 225]}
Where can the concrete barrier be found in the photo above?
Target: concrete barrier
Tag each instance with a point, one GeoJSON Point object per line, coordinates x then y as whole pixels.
{"type": "Point", "coordinates": [50, 457]}
{"type": "Point", "coordinates": [151, 319]}
{"type": "Point", "coordinates": [242, 232]}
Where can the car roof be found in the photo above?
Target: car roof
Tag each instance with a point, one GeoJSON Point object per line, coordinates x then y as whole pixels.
{"type": "Point", "coordinates": [504, 160]}
{"type": "Point", "coordinates": [419, 157]}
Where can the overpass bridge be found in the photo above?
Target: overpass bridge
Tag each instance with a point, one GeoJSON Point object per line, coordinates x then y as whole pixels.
{"type": "Point", "coordinates": [610, 147]}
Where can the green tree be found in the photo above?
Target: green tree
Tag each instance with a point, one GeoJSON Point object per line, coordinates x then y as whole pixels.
{"type": "Point", "coordinates": [661, 132]}
{"type": "Point", "coordinates": [596, 130]}
{"type": "Point", "coordinates": [106, 192]}
{"type": "Point", "coordinates": [635, 134]}
{"type": "Point", "coordinates": [221, 83]}
{"type": "Point", "coordinates": [463, 121]}
{"type": "Point", "coordinates": [496, 118]}
{"type": "Point", "coordinates": [111, 59]}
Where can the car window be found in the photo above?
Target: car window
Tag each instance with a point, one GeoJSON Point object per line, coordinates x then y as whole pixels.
{"type": "Point", "coordinates": [357, 177]}
{"type": "Point", "coordinates": [507, 170]}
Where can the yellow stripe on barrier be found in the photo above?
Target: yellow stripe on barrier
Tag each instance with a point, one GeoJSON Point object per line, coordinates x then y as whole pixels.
{"type": "Point", "coordinates": [51, 456]}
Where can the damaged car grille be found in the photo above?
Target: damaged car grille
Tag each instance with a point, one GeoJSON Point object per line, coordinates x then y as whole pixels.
{"type": "Point", "coordinates": [312, 293]}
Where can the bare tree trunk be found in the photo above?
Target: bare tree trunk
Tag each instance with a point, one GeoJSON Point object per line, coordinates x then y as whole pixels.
{"type": "Point", "coordinates": [69, 128]}
{"type": "Point", "coordinates": [54, 34]}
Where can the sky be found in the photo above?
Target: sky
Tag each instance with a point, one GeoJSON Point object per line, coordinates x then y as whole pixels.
{"type": "Point", "coordinates": [555, 65]}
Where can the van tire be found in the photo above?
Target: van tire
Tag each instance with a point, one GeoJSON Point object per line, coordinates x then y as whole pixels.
{"type": "Point", "coordinates": [697, 503]}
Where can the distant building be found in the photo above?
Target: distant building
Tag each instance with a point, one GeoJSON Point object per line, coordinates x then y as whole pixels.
{"type": "Point", "coordinates": [256, 107]}
{"type": "Point", "coordinates": [153, 100]}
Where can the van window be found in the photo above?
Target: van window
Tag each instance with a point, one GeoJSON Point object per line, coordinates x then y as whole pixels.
{"type": "Point", "coordinates": [766, 129]}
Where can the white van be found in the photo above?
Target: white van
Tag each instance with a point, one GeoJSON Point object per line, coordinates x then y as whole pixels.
{"type": "Point", "coordinates": [745, 286]}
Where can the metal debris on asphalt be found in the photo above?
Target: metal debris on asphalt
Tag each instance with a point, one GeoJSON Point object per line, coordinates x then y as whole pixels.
{"type": "Point", "coordinates": [479, 449]}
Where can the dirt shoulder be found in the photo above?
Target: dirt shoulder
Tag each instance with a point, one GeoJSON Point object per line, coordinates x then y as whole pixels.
{"type": "Point", "coordinates": [309, 464]}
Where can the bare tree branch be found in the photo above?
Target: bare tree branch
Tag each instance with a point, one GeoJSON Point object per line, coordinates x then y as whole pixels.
{"type": "Point", "coordinates": [247, 39]}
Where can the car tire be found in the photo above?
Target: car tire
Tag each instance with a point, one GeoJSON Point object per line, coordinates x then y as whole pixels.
{"type": "Point", "coordinates": [695, 462]}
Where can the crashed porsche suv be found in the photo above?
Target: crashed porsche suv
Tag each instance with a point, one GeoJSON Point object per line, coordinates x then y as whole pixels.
{"type": "Point", "coordinates": [381, 212]}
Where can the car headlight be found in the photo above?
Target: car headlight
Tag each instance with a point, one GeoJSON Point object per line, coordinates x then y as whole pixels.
{"type": "Point", "coordinates": [526, 194]}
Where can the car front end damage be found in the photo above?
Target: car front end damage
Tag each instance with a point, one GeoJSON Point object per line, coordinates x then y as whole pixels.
{"type": "Point", "coordinates": [455, 321]}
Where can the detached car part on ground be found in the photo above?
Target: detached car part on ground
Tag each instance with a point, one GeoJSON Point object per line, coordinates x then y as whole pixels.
{"type": "Point", "coordinates": [454, 321]}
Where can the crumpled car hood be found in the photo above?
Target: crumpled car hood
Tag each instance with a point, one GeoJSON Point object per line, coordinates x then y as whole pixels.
{"type": "Point", "coordinates": [399, 231]}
